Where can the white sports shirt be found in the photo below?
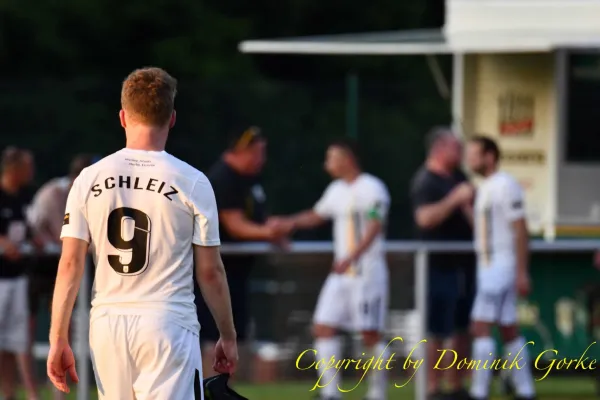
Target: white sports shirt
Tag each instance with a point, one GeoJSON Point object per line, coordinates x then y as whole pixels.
{"type": "Point", "coordinates": [352, 206]}
{"type": "Point", "coordinates": [141, 211]}
{"type": "Point", "coordinates": [499, 202]}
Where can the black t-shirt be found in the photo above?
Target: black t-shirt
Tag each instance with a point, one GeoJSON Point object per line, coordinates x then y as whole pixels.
{"type": "Point", "coordinates": [428, 188]}
{"type": "Point", "coordinates": [234, 191]}
{"type": "Point", "coordinates": [13, 224]}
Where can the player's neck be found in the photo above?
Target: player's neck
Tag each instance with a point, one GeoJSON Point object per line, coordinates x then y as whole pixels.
{"type": "Point", "coordinates": [352, 175]}
{"type": "Point", "coordinates": [8, 184]}
{"type": "Point", "coordinates": [490, 172]}
{"type": "Point", "coordinates": [146, 138]}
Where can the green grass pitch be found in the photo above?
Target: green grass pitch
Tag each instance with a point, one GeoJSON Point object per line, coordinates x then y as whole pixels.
{"type": "Point", "coordinates": [567, 388]}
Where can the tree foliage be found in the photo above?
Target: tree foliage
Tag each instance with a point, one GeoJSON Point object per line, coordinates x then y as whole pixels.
{"type": "Point", "coordinates": [63, 63]}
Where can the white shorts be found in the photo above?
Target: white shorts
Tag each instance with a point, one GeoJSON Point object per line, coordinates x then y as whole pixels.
{"type": "Point", "coordinates": [496, 306]}
{"type": "Point", "coordinates": [353, 304]}
{"type": "Point", "coordinates": [140, 357]}
{"type": "Point", "coordinates": [14, 309]}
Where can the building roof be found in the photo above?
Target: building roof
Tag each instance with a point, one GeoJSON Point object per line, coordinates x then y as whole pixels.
{"type": "Point", "coordinates": [428, 41]}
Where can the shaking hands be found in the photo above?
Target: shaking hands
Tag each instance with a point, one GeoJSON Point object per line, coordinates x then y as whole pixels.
{"type": "Point", "coordinates": [279, 230]}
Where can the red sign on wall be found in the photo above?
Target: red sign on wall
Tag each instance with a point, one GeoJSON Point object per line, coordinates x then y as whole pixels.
{"type": "Point", "coordinates": [516, 114]}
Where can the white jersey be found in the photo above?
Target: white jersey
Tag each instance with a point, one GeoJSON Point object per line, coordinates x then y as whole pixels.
{"type": "Point", "coordinates": [141, 211]}
{"type": "Point", "coordinates": [352, 206]}
{"type": "Point", "coordinates": [499, 202]}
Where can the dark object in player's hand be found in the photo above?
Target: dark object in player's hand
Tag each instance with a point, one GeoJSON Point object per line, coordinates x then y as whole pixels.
{"type": "Point", "coordinates": [217, 388]}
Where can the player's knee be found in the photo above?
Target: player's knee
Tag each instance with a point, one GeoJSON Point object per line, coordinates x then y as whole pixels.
{"type": "Point", "coordinates": [480, 329]}
{"type": "Point", "coordinates": [323, 331]}
{"type": "Point", "coordinates": [371, 338]}
{"type": "Point", "coordinates": [509, 333]}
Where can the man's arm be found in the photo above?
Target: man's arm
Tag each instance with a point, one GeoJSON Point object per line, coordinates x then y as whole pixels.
{"type": "Point", "coordinates": [212, 280]}
{"type": "Point", "coordinates": [68, 279]}
{"type": "Point", "coordinates": [240, 227]}
{"type": "Point", "coordinates": [307, 219]}
{"type": "Point", "coordinates": [210, 272]}
{"type": "Point", "coordinates": [373, 229]}
{"type": "Point", "coordinates": [430, 215]}
{"type": "Point", "coordinates": [75, 236]}
{"type": "Point", "coordinates": [468, 213]}
{"type": "Point", "coordinates": [521, 245]}
{"type": "Point", "coordinates": [376, 217]}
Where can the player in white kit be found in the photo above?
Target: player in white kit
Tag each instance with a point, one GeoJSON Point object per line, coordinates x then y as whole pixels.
{"type": "Point", "coordinates": [501, 241]}
{"type": "Point", "coordinates": [147, 218]}
{"type": "Point", "coordinates": [355, 295]}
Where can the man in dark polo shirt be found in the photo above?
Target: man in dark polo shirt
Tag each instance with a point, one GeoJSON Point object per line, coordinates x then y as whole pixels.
{"type": "Point", "coordinates": [15, 197]}
{"type": "Point", "coordinates": [241, 201]}
{"type": "Point", "coordinates": [443, 202]}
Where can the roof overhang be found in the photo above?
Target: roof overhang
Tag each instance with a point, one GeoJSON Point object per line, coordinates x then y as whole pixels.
{"type": "Point", "coordinates": [415, 42]}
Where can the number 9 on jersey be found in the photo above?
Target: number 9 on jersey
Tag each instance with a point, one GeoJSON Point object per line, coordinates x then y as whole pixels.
{"type": "Point", "coordinates": [128, 230]}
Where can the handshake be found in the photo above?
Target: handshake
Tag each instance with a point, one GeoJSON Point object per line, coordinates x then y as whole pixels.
{"type": "Point", "coordinates": [279, 228]}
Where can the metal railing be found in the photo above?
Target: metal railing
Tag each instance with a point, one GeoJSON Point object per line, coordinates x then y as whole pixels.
{"type": "Point", "coordinates": [421, 250]}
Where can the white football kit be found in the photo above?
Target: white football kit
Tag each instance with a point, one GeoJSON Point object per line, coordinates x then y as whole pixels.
{"type": "Point", "coordinates": [357, 300]}
{"type": "Point", "coordinates": [499, 203]}
{"type": "Point", "coordinates": [141, 211]}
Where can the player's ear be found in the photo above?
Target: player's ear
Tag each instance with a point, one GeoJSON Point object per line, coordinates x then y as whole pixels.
{"type": "Point", "coordinates": [173, 118]}
{"type": "Point", "coordinates": [122, 118]}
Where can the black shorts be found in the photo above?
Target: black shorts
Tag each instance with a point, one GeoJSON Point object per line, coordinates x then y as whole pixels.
{"type": "Point", "coordinates": [42, 277]}
{"type": "Point", "coordinates": [238, 274]}
{"type": "Point", "coordinates": [451, 295]}
{"type": "Point", "coordinates": [41, 289]}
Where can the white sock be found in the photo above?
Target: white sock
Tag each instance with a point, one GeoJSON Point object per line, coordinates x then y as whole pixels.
{"type": "Point", "coordinates": [483, 350]}
{"type": "Point", "coordinates": [327, 348]}
{"type": "Point", "coordinates": [522, 379]}
{"type": "Point", "coordinates": [378, 375]}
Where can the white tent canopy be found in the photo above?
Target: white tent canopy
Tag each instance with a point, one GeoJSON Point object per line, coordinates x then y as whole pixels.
{"type": "Point", "coordinates": [428, 41]}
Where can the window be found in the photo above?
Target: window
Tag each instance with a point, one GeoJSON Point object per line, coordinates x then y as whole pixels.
{"type": "Point", "coordinates": [583, 107]}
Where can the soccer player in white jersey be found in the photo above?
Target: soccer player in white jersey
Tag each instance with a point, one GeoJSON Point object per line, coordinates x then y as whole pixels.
{"type": "Point", "coordinates": [501, 241]}
{"type": "Point", "coordinates": [148, 218]}
{"type": "Point", "coordinates": [355, 295]}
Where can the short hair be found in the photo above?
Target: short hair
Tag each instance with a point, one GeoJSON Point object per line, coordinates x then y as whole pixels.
{"type": "Point", "coordinates": [488, 145]}
{"type": "Point", "coordinates": [350, 146]}
{"type": "Point", "coordinates": [241, 139]}
{"type": "Point", "coordinates": [148, 95]}
{"type": "Point", "coordinates": [13, 157]}
{"type": "Point", "coordinates": [79, 163]}
{"type": "Point", "coordinates": [435, 135]}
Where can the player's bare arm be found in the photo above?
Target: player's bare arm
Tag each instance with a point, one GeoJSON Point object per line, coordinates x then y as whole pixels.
{"type": "Point", "coordinates": [374, 228]}
{"type": "Point", "coordinates": [522, 253]}
{"type": "Point", "coordinates": [308, 219]}
{"type": "Point", "coordinates": [431, 215]}
{"type": "Point", "coordinates": [240, 227]}
{"type": "Point", "coordinates": [212, 280]}
{"type": "Point", "coordinates": [68, 280]}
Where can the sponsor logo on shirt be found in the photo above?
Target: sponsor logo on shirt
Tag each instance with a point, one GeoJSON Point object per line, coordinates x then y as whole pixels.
{"type": "Point", "coordinates": [66, 219]}
{"type": "Point", "coordinates": [517, 204]}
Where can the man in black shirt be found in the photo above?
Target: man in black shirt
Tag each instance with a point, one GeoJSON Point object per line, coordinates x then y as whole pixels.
{"type": "Point", "coordinates": [241, 201]}
{"type": "Point", "coordinates": [443, 209]}
{"type": "Point", "coordinates": [17, 172]}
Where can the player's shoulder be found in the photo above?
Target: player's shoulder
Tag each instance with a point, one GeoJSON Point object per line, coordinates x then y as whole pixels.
{"type": "Point", "coordinates": [422, 178]}
{"type": "Point", "coordinates": [183, 168]}
{"type": "Point", "coordinates": [371, 182]}
{"type": "Point", "coordinates": [505, 181]}
{"type": "Point", "coordinates": [334, 186]}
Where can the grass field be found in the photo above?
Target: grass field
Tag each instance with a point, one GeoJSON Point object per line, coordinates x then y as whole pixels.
{"type": "Point", "coordinates": [568, 388]}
